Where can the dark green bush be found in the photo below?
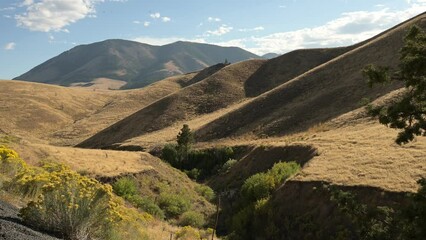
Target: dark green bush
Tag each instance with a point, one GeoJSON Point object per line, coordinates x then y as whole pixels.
{"type": "Point", "coordinates": [173, 205]}
{"type": "Point", "coordinates": [192, 218]}
{"type": "Point", "coordinates": [193, 173]}
{"type": "Point", "coordinates": [125, 187]}
{"type": "Point", "coordinates": [170, 154]}
{"type": "Point", "coordinates": [146, 205]}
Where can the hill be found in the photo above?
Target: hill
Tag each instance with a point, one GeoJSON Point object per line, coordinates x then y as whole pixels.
{"type": "Point", "coordinates": [318, 95]}
{"type": "Point", "coordinates": [218, 91]}
{"type": "Point", "coordinates": [66, 116]}
{"type": "Point", "coordinates": [270, 55]}
{"type": "Point", "coordinates": [128, 64]}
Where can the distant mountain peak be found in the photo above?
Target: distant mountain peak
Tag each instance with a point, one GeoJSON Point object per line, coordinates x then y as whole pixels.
{"type": "Point", "coordinates": [136, 63]}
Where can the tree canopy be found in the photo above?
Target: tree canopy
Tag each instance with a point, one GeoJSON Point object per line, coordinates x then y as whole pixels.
{"type": "Point", "coordinates": [408, 112]}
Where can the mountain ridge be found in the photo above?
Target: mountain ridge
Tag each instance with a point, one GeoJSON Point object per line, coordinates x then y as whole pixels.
{"type": "Point", "coordinates": [136, 64]}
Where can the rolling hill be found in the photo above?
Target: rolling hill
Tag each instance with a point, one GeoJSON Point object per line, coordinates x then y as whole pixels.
{"type": "Point", "coordinates": [128, 64]}
{"type": "Point", "coordinates": [65, 116]}
{"type": "Point", "coordinates": [217, 91]}
{"type": "Point", "coordinates": [318, 95]}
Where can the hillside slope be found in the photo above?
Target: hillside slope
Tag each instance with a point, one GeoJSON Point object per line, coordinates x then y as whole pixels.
{"type": "Point", "coordinates": [325, 92]}
{"type": "Point", "coordinates": [218, 91]}
{"type": "Point", "coordinates": [66, 116]}
{"type": "Point", "coordinates": [129, 64]}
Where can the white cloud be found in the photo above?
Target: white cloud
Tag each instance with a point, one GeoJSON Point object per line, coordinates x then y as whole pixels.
{"type": "Point", "coordinates": [146, 24]}
{"type": "Point", "coordinates": [136, 22]}
{"type": "Point", "coordinates": [7, 9]}
{"type": "Point", "coordinates": [213, 19]}
{"type": "Point", "coordinates": [10, 46]}
{"type": "Point", "coordinates": [255, 29]}
{"type": "Point", "coordinates": [224, 29]}
{"type": "Point", "coordinates": [155, 15]}
{"type": "Point", "coordinates": [7, 16]}
{"type": "Point", "coordinates": [53, 15]}
{"type": "Point", "coordinates": [349, 28]}
{"type": "Point", "coordinates": [26, 3]}
{"type": "Point", "coordinates": [166, 19]}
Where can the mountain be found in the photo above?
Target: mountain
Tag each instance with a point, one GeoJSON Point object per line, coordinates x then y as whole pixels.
{"type": "Point", "coordinates": [270, 55]}
{"type": "Point", "coordinates": [128, 64]}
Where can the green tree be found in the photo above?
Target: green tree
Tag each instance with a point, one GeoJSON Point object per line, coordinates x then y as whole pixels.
{"type": "Point", "coordinates": [185, 139]}
{"type": "Point", "coordinates": [409, 111]}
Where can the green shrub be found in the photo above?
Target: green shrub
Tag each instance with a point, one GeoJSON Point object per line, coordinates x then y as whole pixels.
{"type": "Point", "coordinates": [125, 187]}
{"type": "Point", "coordinates": [283, 170]}
{"type": "Point", "coordinates": [193, 173]}
{"type": "Point", "coordinates": [170, 154]}
{"type": "Point", "coordinates": [257, 187]}
{"type": "Point", "coordinates": [191, 218]}
{"type": "Point", "coordinates": [205, 191]}
{"type": "Point", "coordinates": [228, 165]}
{"type": "Point", "coordinates": [173, 205]}
{"type": "Point", "coordinates": [147, 205]}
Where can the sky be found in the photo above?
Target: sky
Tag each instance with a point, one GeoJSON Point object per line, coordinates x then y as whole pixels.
{"type": "Point", "coordinates": [33, 31]}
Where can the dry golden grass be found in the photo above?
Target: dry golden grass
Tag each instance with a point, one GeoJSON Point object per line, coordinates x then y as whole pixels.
{"type": "Point", "coordinates": [94, 162]}
{"type": "Point", "coordinates": [65, 116]}
{"type": "Point", "coordinates": [353, 151]}
{"type": "Point", "coordinates": [218, 91]}
{"type": "Point", "coordinates": [101, 84]}
{"type": "Point", "coordinates": [318, 95]}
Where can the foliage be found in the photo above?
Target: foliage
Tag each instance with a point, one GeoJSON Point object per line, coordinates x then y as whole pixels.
{"type": "Point", "coordinates": [254, 203]}
{"type": "Point", "coordinates": [69, 204]}
{"type": "Point", "coordinates": [170, 154]}
{"type": "Point", "coordinates": [198, 164]}
{"type": "Point", "coordinates": [173, 205]}
{"type": "Point", "coordinates": [146, 205]}
{"type": "Point", "coordinates": [193, 173]}
{"type": "Point", "coordinates": [184, 139]}
{"type": "Point", "coordinates": [408, 112]}
{"type": "Point", "coordinates": [257, 187]}
{"type": "Point", "coordinates": [192, 218]}
{"type": "Point", "coordinates": [261, 185]}
{"type": "Point", "coordinates": [228, 165]}
{"type": "Point", "coordinates": [384, 222]}
{"type": "Point", "coordinates": [10, 163]}
{"type": "Point", "coordinates": [205, 191]}
{"type": "Point", "coordinates": [283, 170]}
{"type": "Point", "coordinates": [125, 187]}
{"type": "Point", "coordinates": [187, 233]}
{"type": "Point", "coordinates": [414, 216]}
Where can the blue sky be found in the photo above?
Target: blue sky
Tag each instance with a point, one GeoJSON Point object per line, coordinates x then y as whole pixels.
{"type": "Point", "coordinates": [33, 31]}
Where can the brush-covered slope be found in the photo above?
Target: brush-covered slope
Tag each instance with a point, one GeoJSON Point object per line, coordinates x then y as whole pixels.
{"type": "Point", "coordinates": [66, 116]}
{"type": "Point", "coordinates": [318, 95]}
{"type": "Point", "coordinates": [215, 92]}
{"type": "Point", "coordinates": [129, 64]}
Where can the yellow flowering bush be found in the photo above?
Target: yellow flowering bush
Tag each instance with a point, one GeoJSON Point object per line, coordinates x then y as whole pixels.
{"type": "Point", "coordinates": [74, 206]}
{"type": "Point", "coordinates": [10, 163]}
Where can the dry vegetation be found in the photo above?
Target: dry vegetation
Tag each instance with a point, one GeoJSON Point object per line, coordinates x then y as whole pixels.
{"type": "Point", "coordinates": [215, 92]}
{"type": "Point", "coordinates": [66, 116]}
